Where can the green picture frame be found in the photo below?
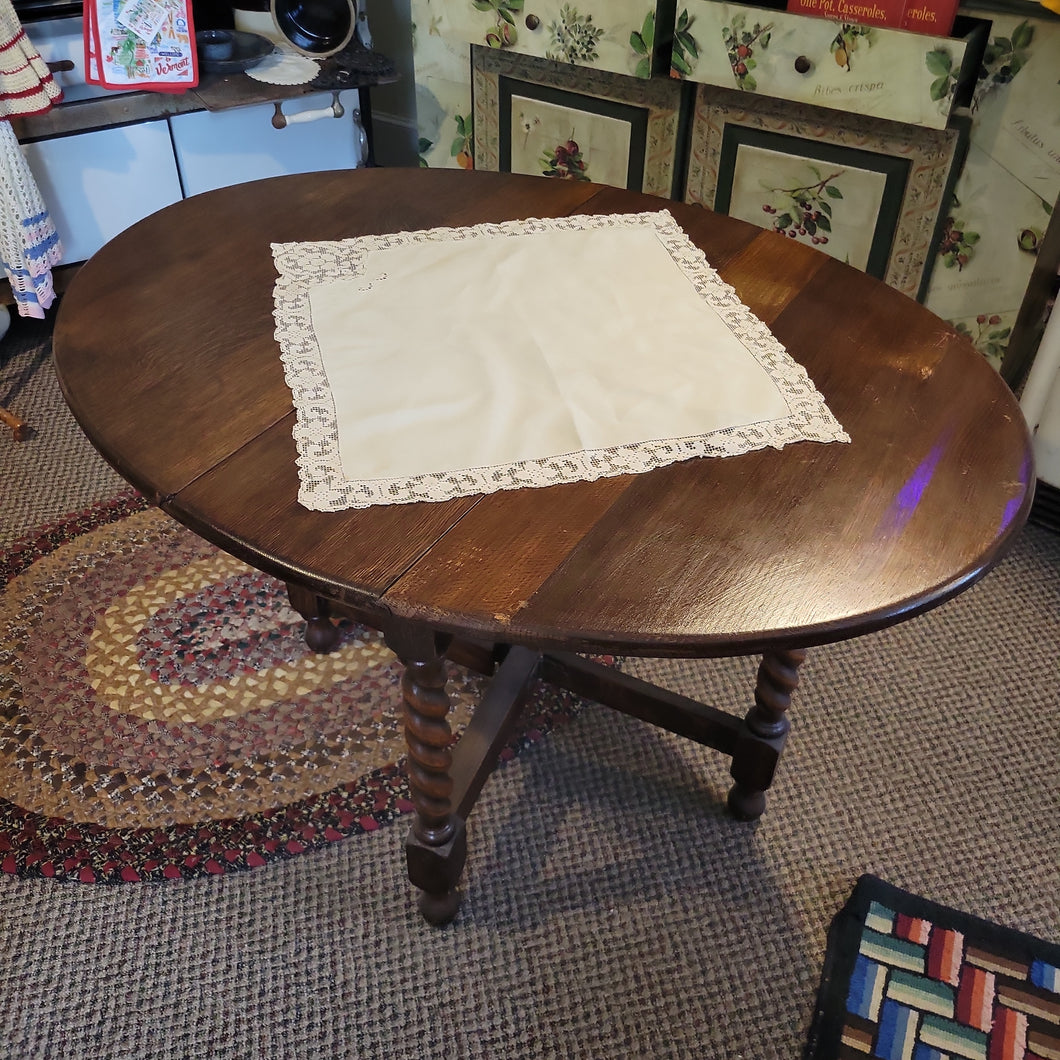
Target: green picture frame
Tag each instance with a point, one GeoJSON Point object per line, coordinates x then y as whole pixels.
{"type": "Point", "coordinates": [533, 102]}
{"type": "Point", "coordinates": [871, 222]}
{"type": "Point", "coordinates": [915, 185]}
{"type": "Point", "coordinates": [639, 127]}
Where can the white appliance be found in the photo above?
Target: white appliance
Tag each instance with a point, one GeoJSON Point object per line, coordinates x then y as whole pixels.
{"type": "Point", "coordinates": [217, 148]}
{"type": "Point", "coordinates": [98, 182]}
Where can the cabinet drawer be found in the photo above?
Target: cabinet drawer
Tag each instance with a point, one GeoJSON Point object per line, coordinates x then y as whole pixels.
{"type": "Point", "coordinates": [621, 36]}
{"type": "Point", "coordinates": [97, 184]}
{"type": "Point", "coordinates": [886, 73]}
{"type": "Point", "coordinates": [216, 149]}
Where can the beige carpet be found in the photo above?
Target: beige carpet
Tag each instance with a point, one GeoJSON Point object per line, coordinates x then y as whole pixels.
{"type": "Point", "coordinates": [612, 909]}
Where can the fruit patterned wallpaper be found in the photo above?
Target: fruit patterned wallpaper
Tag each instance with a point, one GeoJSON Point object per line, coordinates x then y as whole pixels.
{"type": "Point", "coordinates": [1008, 187]}
{"type": "Point", "coordinates": [1002, 199]}
{"type": "Point", "coordinates": [611, 35]}
{"type": "Point", "coordinates": [886, 73]}
{"type": "Point", "coordinates": [443, 87]}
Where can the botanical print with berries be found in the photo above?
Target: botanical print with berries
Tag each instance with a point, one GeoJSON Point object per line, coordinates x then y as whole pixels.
{"type": "Point", "coordinates": [846, 43]}
{"type": "Point", "coordinates": [830, 207]}
{"type": "Point", "coordinates": [565, 161]}
{"type": "Point", "coordinates": [827, 62]}
{"type": "Point", "coordinates": [992, 228]}
{"type": "Point", "coordinates": [570, 144]}
{"type": "Point", "coordinates": [741, 42]}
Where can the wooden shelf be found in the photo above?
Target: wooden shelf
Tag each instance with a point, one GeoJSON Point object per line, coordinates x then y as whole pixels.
{"type": "Point", "coordinates": [354, 68]}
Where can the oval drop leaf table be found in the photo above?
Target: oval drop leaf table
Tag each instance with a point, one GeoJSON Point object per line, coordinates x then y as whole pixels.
{"type": "Point", "coordinates": [166, 354]}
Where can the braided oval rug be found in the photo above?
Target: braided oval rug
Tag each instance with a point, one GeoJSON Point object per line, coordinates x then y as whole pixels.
{"type": "Point", "coordinates": [162, 717]}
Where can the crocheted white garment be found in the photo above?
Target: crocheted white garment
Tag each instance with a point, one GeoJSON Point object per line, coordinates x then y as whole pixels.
{"type": "Point", "coordinates": [26, 84]}
{"type": "Point", "coordinates": [28, 241]}
{"type": "Point", "coordinates": [444, 363]}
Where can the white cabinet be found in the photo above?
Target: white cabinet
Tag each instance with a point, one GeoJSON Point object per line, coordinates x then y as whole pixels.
{"type": "Point", "coordinates": [217, 148]}
{"type": "Point", "coordinates": [130, 161]}
{"type": "Point", "coordinates": [97, 184]}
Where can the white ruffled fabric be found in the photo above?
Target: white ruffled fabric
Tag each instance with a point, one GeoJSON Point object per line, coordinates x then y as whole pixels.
{"type": "Point", "coordinates": [430, 365]}
{"type": "Point", "coordinates": [29, 245]}
{"type": "Point", "coordinates": [26, 84]}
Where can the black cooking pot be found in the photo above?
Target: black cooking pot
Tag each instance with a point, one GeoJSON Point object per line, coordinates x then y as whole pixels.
{"type": "Point", "coordinates": [316, 28]}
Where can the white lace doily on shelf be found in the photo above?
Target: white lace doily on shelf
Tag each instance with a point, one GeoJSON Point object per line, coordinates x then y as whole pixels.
{"type": "Point", "coordinates": [285, 67]}
{"type": "Point", "coordinates": [437, 364]}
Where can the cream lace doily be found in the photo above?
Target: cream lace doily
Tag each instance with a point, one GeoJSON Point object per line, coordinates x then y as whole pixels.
{"type": "Point", "coordinates": [444, 363]}
{"type": "Point", "coordinates": [284, 66]}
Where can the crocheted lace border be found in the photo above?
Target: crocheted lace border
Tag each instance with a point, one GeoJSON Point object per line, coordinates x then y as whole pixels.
{"type": "Point", "coordinates": [323, 485]}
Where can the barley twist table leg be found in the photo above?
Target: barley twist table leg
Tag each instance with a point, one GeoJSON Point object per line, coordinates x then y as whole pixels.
{"type": "Point", "coordinates": [764, 732]}
{"type": "Point", "coordinates": [437, 844]}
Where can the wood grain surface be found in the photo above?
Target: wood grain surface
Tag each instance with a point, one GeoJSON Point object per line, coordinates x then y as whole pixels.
{"type": "Point", "coordinates": [165, 351]}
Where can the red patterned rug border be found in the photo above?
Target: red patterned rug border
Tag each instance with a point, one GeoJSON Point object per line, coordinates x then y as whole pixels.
{"type": "Point", "coordinates": [35, 846]}
{"type": "Point", "coordinates": [49, 536]}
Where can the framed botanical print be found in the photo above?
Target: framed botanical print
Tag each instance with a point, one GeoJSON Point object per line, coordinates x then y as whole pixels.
{"type": "Point", "coordinates": [548, 133]}
{"type": "Point", "coordinates": [541, 118]}
{"type": "Point", "coordinates": [866, 191]}
{"type": "Point", "coordinates": [844, 201]}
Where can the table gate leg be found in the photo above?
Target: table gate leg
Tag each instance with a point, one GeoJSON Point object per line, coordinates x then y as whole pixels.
{"type": "Point", "coordinates": [321, 634]}
{"type": "Point", "coordinates": [436, 848]}
{"type": "Point", "coordinates": [764, 733]}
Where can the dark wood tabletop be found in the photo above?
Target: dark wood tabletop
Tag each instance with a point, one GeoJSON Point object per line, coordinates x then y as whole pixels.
{"type": "Point", "coordinates": [165, 350]}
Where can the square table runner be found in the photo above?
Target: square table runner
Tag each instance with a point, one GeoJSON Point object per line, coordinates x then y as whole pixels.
{"type": "Point", "coordinates": [448, 362]}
